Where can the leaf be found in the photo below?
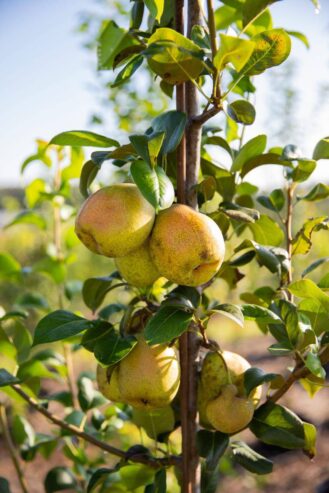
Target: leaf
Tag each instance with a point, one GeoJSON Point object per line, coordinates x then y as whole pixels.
{"type": "Point", "coordinates": [59, 479]}
{"type": "Point", "coordinates": [310, 439]}
{"type": "Point", "coordinates": [233, 50]}
{"type": "Point", "coordinates": [301, 37]}
{"type": "Point", "coordinates": [156, 8]}
{"type": "Point", "coordinates": [167, 324]}
{"type": "Point", "coordinates": [87, 395]}
{"type": "Point", "coordinates": [154, 184]}
{"type": "Point", "coordinates": [6, 378]}
{"type": "Point", "coordinates": [211, 446]}
{"type": "Point", "coordinates": [251, 460]}
{"type": "Point", "coordinates": [242, 111]}
{"type": "Point", "coordinates": [306, 288]}
{"type": "Point", "coordinates": [88, 174]}
{"type": "Point", "coordinates": [9, 267]}
{"type": "Point", "coordinates": [148, 146]}
{"type": "Point", "coordinates": [259, 314]}
{"type": "Point", "coordinates": [216, 140]}
{"type": "Point", "coordinates": [324, 282]}
{"type": "Point", "coordinates": [314, 265]}
{"type": "Point", "coordinates": [250, 149]}
{"type": "Point", "coordinates": [313, 363]}
{"type": "Point", "coordinates": [98, 478]}
{"type": "Point", "coordinates": [274, 202]}
{"type": "Point", "coordinates": [253, 8]}
{"type": "Point", "coordinates": [4, 485]}
{"type": "Point", "coordinates": [271, 48]}
{"type": "Point", "coordinates": [253, 377]}
{"type": "Point", "coordinates": [321, 150]}
{"type": "Point", "coordinates": [225, 16]}
{"type": "Point", "coordinates": [302, 242]}
{"type": "Point", "coordinates": [318, 192]}
{"type": "Point", "coordinates": [172, 123]}
{"type": "Point", "coordinates": [266, 231]}
{"type": "Point", "coordinates": [276, 425]}
{"type": "Point", "coordinates": [112, 348]}
{"type": "Point", "coordinates": [303, 170]}
{"type": "Point", "coordinates": [83, 138]}
{"type": "Point", "coordinates": [112, 41]}
{"type": "Point", "coordinates": [28, 217]}
{"type": "Point", "coordinates": [232, 312]}
{"type": "Point", "coordinates": [261, 160]}
{"type": "Point", "coordinates": [128, 71]}
{"type": "Point", "coordinates": [59, 325]}
{"type": "Point", "coordinates": [95, 289]}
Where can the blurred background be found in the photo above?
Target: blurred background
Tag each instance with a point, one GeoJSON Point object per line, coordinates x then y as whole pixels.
{"type": "Point", "coordinates": [49, 84]}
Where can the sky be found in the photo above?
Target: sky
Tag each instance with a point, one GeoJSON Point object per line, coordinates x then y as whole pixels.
{"type": "Point", "coordinates": [46, 76]}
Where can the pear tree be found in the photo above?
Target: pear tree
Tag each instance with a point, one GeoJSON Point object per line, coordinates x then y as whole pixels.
{"type": "Point", "coordinates": [180, 217]}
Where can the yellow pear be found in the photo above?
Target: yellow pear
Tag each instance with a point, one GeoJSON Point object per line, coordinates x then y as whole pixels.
{"type": "Point", "coordinates": [115, 220]}
{"type": "Point", "coordinates": [137, 268]}
{"type": "Point", "coordinates": [186, 246]}
{"type": "Point", "coordinates": [230, 413]}
{"type": "Point", "coordinates": [107, 381]}
{"type": "Point", "coordinates": [149, 376]}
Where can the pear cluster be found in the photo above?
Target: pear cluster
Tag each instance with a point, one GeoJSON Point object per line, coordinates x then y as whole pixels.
{"type": "Point", "coordinates": [180, 244]}
{"type": "Point", "coordinates": [222, 400]}
{"type": "Point", "coordinates": [147, 378]}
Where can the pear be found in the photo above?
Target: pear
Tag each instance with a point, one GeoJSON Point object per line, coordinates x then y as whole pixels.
{"type": "Point", "coordinates": [202, 403]}
{"type": "Point", "coordinates": [115, 221]}
{"type": "Point", "coordinates": [230, 413]}
{"type": "Point", "coordinates": [137, 268]}
{"type": "Point", "coordinates": [107, 381]}
{"type": "Point", "coordinates": [187, 247]}
{"type": "Point", "coordinates": [148, 376]}
{"type": "Point", "coordinates": [155, 421]}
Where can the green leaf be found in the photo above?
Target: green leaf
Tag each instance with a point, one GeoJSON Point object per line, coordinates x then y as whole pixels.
{"type": "Point", "coordinates": [88, 174]}
{"type": "Point", "coordinates": [23, 433]}
{"type": "Point", "coordinates": [156, 8]}
{"type": "Point", "coordinates": [167, 324]}
{"type": "Point", "coordinates": [128, 71]}
{"type": "Point", "coordinates": [302, 242]}
{"type": "Point", "coordinates": [87, 395]}
{"type": "Point", "coordinates": [306, 288]}
{"type": "Point", "coordinates": [136, 475]}
{"type": "Point", "coordinates": [216, 140]}
{"type": "Point", "coordinates": [232, 312]}
{"type": "Point", "coordinates": [9, 267]}
{"type": "Point", "coordinates": [253, 8]}
{"type": "Point", "coordinates": [250, 149]}
{"type": "Point", "coordinates": [313, 363]}
{"type": "Point", "coordinates": [4, 485]}
{"type": "Point", "coordinates": [59, 325]}
{"type": "Point", "coordinates": [28, 217]}
{"type": "Point", "coordinates": [276, 425]}
{"type": "Point", "coordinates": [172, 123]}
{"type": "Point", "coordinates": [251, 460]}
{"type": "Point", "coordinates": [324, 282]}
{"type": "Point", "coordinates": [211, 446]}
{"type": "Point", "coordinates": [98, 478]}
{"type": "Point", "coordinates": [225, 16]}
{"type": "Point", "coordinates": [233, 50]}
{"type": "Point", "coordinates": [59, 479]}
{"type": "Point", "coordinates": [6, 378]}
{"type": "Point", "coordinates": [259, 314]}
{"type": "Point", "coordinates": [318, 192]}
{"type": "Point", "coordinates": [242, 111]}
{"type": "Point", "coordinates": [303, 170]}
{"type": "Point", "coordinates": [301, 37]}
{"type": "Point", "coordinates": [148, 146]}
{"type": "Point", "coordinates": [271, 48]}
{"type": "Point", "coordinates": [95, 289]}
{"type": "Point", "coordinates": [253, 377]}
{"type": "Point", "coordinates": [261, 160]}
{"type": "Point", "coordinates": [266, 231]}
{"type": "Point", "coordinates": [113, 40]}
{"type": "Point", "coordinates": [274, 202]}
{"type": "Point", "coordinates": [265, 256]}
{"type": "Point", "coordinates": [314, 265]}
{"type": "Point", "coordinates": [321, 150]}
{"type": "Point", "coordinates": [83, 138]}
{"type": "Point", "coordinates": [310, 439]}
{"type": "Point", "coordinates": [154, 184]}
{"type": "Point", "coordinates": [112, 347]}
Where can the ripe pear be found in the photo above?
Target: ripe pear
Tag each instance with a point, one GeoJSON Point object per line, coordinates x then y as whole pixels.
{"type": "Point", "coordinates": [230, 413]}
{"type": "Point", "coordinates": [137, 268]}
{"type": "Point", "coordinates": [186, 246]}
{"type": "Point", "coordinates": [115, 220]}
{"type": "Point", "coordinates": [107, 381]}
{"type": "Point", "coordinates": [148, 376]}
{"type": "Point", "coordinates": [172, 64]}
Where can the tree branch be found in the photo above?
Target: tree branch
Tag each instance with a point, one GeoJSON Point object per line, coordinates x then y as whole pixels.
{"type": "Point", "coordinates": [300, 371]}
{"type": "Point", "coordinates": [12, 450]}
{"type": "Point", "coordinates": [288, 226]}
{"type": "Point", "coordinates": [139, 458]}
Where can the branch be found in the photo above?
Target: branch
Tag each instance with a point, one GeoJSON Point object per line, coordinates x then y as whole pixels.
{"type": "Point", "coordinates": [155, 462]}
{"type": "Point", "coordinates": [199, 120]}
{"type": "Point", "coordinates": [288, 226]}
{"type": "Point", "coordinates": [11, 448]}
{"type": "Point", "coordinates": [300, 371]}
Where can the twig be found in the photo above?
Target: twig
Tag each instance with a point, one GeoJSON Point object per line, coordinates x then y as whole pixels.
{"type": "Point", "coordinates": [12, 450]}
{"type": "Point", "coordinates": [139, 458]}
{"type": "Point", "coordinates": [288, 226]}
{"type": "Point", "coordinates": [300, 371]}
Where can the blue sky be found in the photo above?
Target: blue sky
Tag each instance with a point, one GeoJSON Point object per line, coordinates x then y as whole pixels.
{"type": "Point", "coordinates": [46, 77]}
